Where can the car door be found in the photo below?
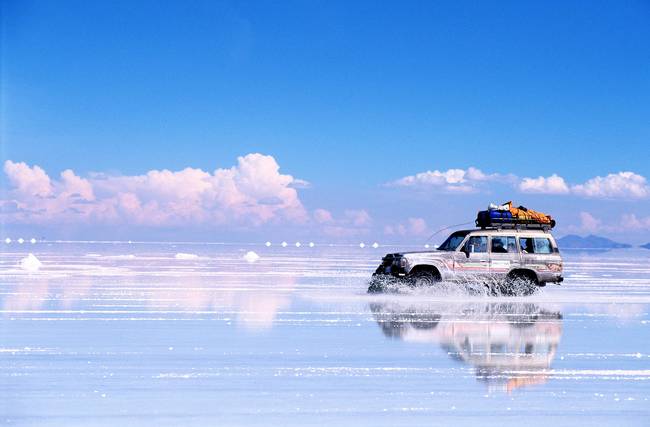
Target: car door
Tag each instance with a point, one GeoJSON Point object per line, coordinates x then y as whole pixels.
{"type": "Point", "coordinates": [527, 247]}
{"type": "Point", "coordinates": [473, 259]}
{"type": "Point", "coordinates": [504, 254]}
{"type": "Point", "coordinates": [537, 252]}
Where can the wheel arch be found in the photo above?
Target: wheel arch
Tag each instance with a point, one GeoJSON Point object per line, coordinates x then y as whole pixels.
{"type": "Point", "coordinates": [523, 272]}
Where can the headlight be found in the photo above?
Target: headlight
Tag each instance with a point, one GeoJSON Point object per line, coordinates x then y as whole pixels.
{"type": "Point", "coordinates": [403, 262]}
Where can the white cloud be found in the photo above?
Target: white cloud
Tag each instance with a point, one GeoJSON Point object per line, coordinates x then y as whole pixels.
{"type": "Point", "coordinates": [359, 218]}
{"type": "Point", "coordinates": [29, 181]}
{"type": "Point", "coordinates": [632, 222]}
{"type": "Point", "coordinates": [628, 222]}
{"type": "Point", "coordinates": [300, 183]}
{"type": "Point", "coordinates": [553, 184]}
{"type": "Point", "coordinates": [353, 223]}
{"type": "Point", "coordinates": [412, 227]}
{"type": "Point", "coordinates": [253, 192]}
{"type": "Point", "coordinates": [626, 185]}
{"type": "Point", "coordinates": [452, 180]}
{"type": "Point", "coordinates": [621, 185]}
{"type": "Point", "coordinates": [74, 186]}
{"type": "Point", "coordinates": [323, 216]}
{"type": "Point", "coordinates": [589, 223]}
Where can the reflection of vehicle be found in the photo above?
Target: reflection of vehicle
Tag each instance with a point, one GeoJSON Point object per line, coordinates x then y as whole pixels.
{"type": "Point", "coordinates": [529, 254]}
{"type": "Point", "coordinates": [511, 345]}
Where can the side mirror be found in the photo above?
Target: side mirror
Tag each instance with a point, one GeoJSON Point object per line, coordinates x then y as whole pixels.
{"type": "Point", "coordinates": [465, 250]}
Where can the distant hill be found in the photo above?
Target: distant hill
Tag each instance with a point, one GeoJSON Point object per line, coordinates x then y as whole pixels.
{"type": "Point", "coordinates": [572, 241]}
{"type": "Point", "coordinates": [646, 246]}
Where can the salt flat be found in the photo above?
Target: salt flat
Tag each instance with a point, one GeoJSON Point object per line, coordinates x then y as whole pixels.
{"type": "Point", "coordinates": [191, 334]}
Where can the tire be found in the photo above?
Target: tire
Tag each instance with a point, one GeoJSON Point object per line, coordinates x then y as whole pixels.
{"type": "Point", "coordinates": [518, 284]}
{"type": "Point", "coordinates": [423, 278]}
{"type": "Point", "coordinates": [377, 283]}
{"type": "Point", "coordinates": [375, 287]}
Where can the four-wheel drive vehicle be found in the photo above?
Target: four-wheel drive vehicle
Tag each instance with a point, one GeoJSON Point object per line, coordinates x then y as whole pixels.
{"type": "Point", "coordinates": [509, 254]}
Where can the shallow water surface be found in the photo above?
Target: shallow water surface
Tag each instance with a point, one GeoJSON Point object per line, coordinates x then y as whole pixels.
{"type": "Point", "coordinates": [132, 334]}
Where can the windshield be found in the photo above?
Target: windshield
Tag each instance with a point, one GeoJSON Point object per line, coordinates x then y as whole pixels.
{"type": "Point", "coordinates": [453, 241]}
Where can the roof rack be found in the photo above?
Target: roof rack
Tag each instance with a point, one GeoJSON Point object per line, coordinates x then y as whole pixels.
{"type": "Point", "coordinates": [516, 225]}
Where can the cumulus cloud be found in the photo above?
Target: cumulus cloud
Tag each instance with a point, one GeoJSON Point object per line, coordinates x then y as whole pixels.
{"type": "Point", "coordinates": [547, 185]}
{"type": "Point", "coordinates": [632, 222]}
{"type": "Point", "coordinates": [253, 192]}
{"type": "Point", "coordinates": [323, 216]}
{"type": "Point", "coordinates": [451, 180]}
{"type": "Point", "coordinates": [615, 185]}
{"type": "Point", "coordinates": [359, 218]}
{"type": "Point", "coordinates": [300, 183]}
{"type": "Point", "coordinates": [29, 181]}
{"type": "Point", "coordinates": [412, 227]}
{"type": "Point", "coordinates": [626, 223]}
{"type": "Point", "coordinates": [589, 223]}
{"type": "Point", "coordinates": [621, 185]}
{"type": "Point", "coordinates": [353, 222]}
{"type": "Point", "coordinates": [74, 186]}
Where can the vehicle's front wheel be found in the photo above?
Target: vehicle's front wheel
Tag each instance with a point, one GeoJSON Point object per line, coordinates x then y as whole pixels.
{"type": "Point", "coordinates": [423, 278]}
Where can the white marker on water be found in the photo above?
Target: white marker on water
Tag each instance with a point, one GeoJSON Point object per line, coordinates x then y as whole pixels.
{"type": "Point", "coordinates": [30, 263]}
{"type": "Point", "coordinates": [251, 257]}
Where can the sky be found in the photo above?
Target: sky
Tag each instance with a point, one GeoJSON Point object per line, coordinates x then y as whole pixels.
{"type": "Point", "coordinates": [322, 120]}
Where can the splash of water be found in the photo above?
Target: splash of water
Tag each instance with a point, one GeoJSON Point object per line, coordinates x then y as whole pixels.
{"type": "Point", "coordinates": [488, 285]}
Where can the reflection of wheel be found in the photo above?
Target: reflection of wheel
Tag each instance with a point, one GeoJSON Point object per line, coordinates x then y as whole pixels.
{"type": "Point", "coordinates": [423, 278]}
{"type": "Point", "coordinates": [396, 320]}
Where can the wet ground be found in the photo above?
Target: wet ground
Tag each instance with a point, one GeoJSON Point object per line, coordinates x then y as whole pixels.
{"type": "Point", "coordinates": [135, 334]}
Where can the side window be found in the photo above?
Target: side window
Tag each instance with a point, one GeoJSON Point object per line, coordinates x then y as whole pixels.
{"type": "Point", "coordinates": [543, 245]}
{"type": "Point", "coordinates": [526, 245]}
{"type": "Point", "coordinates": [503, 245]}
{"type": "Point", "coordinates": [476, 244]}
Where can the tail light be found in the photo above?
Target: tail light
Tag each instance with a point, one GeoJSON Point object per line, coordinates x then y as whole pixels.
{"type": "Point", "coordinates": [555, 266]}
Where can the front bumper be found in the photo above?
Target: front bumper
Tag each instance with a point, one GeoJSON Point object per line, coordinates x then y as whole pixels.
{"type": "Point", "coordinates": [551, 278]}
{"type": "Point", "coordinates": [389, 271]}
{"type": "Point", "coordinates": [390, 266]}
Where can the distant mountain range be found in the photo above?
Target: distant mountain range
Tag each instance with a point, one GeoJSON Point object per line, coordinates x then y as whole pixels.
{"type": "Point", "coordinates": [647, 246]}
{"type": "Point", "coordinates": [572, 241]}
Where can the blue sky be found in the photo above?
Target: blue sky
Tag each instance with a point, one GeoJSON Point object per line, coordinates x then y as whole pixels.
{"type": "Point", "coordinates": [348, 96]}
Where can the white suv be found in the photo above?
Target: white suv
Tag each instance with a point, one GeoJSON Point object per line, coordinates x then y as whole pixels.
{"type": "Point", "coordinates": [509, 254]}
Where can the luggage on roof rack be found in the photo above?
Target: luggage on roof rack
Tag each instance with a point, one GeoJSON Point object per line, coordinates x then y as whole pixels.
{"type": "Point", "coordinates": [507, 216]}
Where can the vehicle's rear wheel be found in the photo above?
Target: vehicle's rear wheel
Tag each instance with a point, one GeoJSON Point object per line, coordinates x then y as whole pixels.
{"type": "Point", "coordinates": [519, 283]}
{"type": "Point", "coordinates": [423, 278]}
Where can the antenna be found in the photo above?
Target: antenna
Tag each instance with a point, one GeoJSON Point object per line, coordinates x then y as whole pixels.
{"type": "Point", "coordinates": [447, 228]}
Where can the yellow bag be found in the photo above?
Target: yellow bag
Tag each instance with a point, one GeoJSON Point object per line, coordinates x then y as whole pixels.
{"type": "Point", "coordinates": [526, 214]}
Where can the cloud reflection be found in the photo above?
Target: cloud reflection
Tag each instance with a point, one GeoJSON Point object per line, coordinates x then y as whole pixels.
{"type": "Point", "coordinates": [152, 287]}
